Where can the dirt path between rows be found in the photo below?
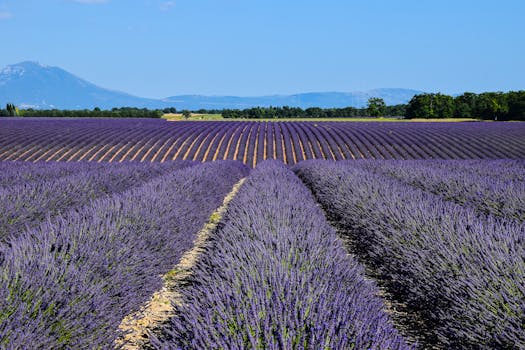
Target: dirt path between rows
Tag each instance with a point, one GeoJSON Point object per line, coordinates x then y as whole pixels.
{"type": "Point", "coordinates": [158, 309]}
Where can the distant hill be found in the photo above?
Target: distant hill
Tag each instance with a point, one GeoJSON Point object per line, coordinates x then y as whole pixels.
{"type": "Point", "coordinates": [33, 85]}
{"type": "Point", "coordinates": [305, 100]}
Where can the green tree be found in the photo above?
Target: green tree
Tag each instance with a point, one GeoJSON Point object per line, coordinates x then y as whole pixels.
{"type": "Point", "coordinates": [376, 107]}
{"type": "Point", "coordinates": [443, 106]}
{"type": "Point", "coordinates": [420, 106]}
{"type": "Point", "coordinates": [12, 110]}
{"type": "Point", "coordinates": [492, 105]}
{"type": "Point", "coordinates": [430, 106]}
{"type": "Point", "coordinates": [396, 110]}
{"type": "Point", "coordinates": [186, 114]}
{"type": "Point", "coordinates": [516, 102]}
{"type": "Point", "coordinates": [465, 105]}
{"type": "Point", "coordinates": [314, 112]}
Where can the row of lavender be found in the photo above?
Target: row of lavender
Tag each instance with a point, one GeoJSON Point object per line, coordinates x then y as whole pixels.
{"type": "Point", "coordinates": [445, 238]}
{"type": "Point", "coordinates": [494, 187]}
{"type": "Point", "coordinates": [69, 279]}
{"type": "Point", "coordinates": [253, 142]}
{"type": "Point", "coordinates": [32, 192]}
{"type": "Point", "coordinates": [275, 276]}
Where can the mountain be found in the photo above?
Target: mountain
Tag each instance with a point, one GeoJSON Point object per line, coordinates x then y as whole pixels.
{"type": "Point", "coordinates": [305, 100]}
{"type": "Point", "coordinates": [33, 85]}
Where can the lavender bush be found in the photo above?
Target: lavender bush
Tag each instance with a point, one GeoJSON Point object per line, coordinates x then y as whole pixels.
{"type": "Point", "coordinates": [24, 173]}
{"type": "Point", "coordinates": [275, 276]}
{"type": "Point", "coordinates": [26, 205]}
{"type": "Point", "coordinates": [492, 187]}
{"type": "Point", "coordinates": [462, 273]}
{"type": "Point", "coordinates": [69, 282]}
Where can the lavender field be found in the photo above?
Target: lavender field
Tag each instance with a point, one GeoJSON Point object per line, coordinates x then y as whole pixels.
{"type": "Point", "coordinates": [151, 140]}
{"type": "Point", "coordinates": [257, 235]}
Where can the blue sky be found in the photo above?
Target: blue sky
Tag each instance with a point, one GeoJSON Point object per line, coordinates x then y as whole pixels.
{"type": "Point", "coordinates": [157, 48]}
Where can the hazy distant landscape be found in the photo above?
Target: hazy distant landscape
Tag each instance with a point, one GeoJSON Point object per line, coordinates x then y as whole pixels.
{"type": "Point", "coordinates": [33, 85]}
{"type": "Point", "coordinates": [33, 90]}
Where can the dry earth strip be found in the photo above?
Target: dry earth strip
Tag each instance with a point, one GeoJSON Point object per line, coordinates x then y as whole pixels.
{"type": "Point", "coordinates": [158, 309]}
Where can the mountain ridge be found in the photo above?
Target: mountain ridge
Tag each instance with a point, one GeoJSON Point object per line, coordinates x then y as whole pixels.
{"type": "Point", "coordinates": [30, 84]}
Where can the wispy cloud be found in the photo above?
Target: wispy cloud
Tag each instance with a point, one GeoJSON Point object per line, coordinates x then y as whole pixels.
{"type": "Point", "coordinates": [92, 1]}
{"type": "Point", "coordinates": [167, 5]}
{"type": "Point", "coordinates": [5, 15]}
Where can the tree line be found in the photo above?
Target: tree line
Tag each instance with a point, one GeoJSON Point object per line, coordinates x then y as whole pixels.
{"type": "Point", "coordinates": [487, 105]}
{"type": "Point", "coordinates": [376, 108]}
{"type": "Point", "coordinates": [125, 112]}
{"type": "Point", "coordinates": [314, 112]}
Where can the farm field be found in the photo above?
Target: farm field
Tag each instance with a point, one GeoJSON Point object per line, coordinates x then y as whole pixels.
{"type": "Point", "coordinates": [126, 234]}
{"type": "Point", "coordinates": [448, 250]}
{"type": "Point", "coordinates": [105, 140]}
{"type": "Point", "coordinates": [207, 117]}
{"type": "Point", "coordinates": [69, 279]}
{"type": "Point", "coordinates": [262, 175]}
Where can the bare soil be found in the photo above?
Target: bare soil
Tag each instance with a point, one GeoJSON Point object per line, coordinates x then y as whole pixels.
{"type": "Point", "coordinates": [159, 308]}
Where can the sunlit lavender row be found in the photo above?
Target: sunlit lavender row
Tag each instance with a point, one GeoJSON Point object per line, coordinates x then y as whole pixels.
{"type": "Point", "coordinates": [275, 276]}
{"type": "Point", "coordinates": [461, 273]}
{"type": "Point", "coordinates": [55, 188]}
{"type": "Point", "coordinates": [84, 244]}
{"type": "Point", "coordinates": [114, 140]}
{"type": "Point", "coordinates": [69, 282]}
{"type": "Point", "coordinates": [24, 173]}
{"type": "Point", "coordinates": [490, 187]}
